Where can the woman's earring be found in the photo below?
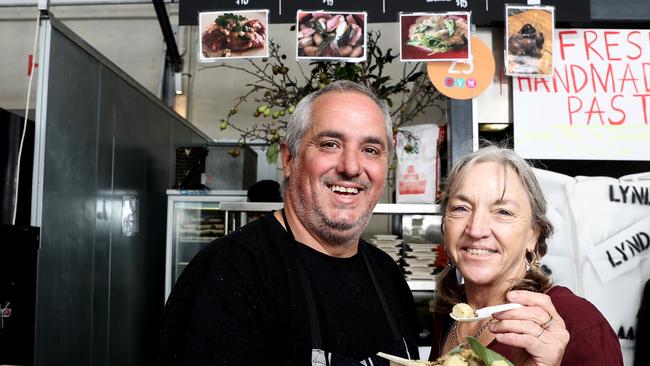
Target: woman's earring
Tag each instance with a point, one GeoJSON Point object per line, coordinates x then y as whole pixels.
{"type": "Point", "coordinates": [531, 259]}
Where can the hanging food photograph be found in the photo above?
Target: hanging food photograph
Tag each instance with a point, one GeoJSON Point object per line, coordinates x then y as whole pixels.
{"type": "Point", "coordinates": [435, 36]}
{"type": "Point", "coordinates": [331, 36]}
{"type": "Point", "coordinates": [529, 40]}
{"type": "Point", "coordinates": [233, 34]}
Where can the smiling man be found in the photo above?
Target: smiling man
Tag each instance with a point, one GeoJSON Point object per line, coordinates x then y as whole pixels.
{"type": "Point", "coordinates": [336, 169]}
{"type": "Point", "coordinates": [300, 286]}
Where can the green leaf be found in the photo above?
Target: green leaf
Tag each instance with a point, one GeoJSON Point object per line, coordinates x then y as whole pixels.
{"type": "Point", "coordinates": [415, 76]}
{"type": "Point", "coordinates": [383, 79]}
{"type": "Point", "coordinates": [450, 24]}
{"type": "Point", "coordinates": [272, 153]}
{"type": "Point", "coordinates": [485, 354]}
{"type": "Point", "coordinates": [415, 42]}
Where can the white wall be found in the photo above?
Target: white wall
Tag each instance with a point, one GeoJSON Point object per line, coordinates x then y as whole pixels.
{"type": "Point", "coordinates": [129, 35]}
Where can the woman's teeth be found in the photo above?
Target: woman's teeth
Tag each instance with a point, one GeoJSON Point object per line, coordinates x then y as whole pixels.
{"type": "Point", "coordinates": [480, 251]}
{"type": "Point", "coordinates": [344, 189]}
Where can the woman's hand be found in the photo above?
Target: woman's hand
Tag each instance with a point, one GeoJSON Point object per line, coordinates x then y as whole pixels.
{"type": "Point", "coordinates": [536, 327]}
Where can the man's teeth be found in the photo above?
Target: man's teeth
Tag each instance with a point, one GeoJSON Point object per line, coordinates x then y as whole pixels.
{"type": "Point", "coordinates": [344, 189]}
{"type": "Point", "coordinates": [480, 251]}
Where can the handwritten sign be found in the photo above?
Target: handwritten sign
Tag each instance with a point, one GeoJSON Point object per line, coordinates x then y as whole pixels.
{"type": "Point", "coordinates": [623, 252]}
{"type": "Point", "coordinates": [597, 103]}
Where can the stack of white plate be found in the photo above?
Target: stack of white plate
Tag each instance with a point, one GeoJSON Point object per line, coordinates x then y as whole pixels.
{"type": "Point", "coordinates": [389, 244]}
{"type": "Point", "coordinates": [418, 260]}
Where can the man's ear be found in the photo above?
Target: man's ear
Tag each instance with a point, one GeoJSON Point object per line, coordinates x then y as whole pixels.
{"type": "Point", "coordinates": [287, 159]}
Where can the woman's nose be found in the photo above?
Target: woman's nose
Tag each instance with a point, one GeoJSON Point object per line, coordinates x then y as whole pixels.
{"type": "Point", "coordinates": [478, 225]}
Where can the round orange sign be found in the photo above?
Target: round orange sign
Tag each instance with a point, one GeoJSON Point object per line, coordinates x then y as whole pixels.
{"type": "Point", "coordinates": [464, 80]}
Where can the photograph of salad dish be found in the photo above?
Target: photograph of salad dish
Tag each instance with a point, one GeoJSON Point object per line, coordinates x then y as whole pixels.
{"type": "Point", "coordinates": [529, 40]}
{"type": "Point", "coordinates": [331, 35]}
{"type": "Point", "coordinates": [435, 36]}
{"type": "Point", "coordinates": [233, 34]}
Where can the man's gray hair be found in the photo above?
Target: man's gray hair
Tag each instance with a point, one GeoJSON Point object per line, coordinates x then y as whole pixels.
{"type": "Point", "coordinates": [507, 158]}
{"type": "Point", "coordinates": [302, 116]}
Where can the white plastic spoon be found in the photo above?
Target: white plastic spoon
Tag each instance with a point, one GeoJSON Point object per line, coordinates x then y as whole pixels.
{"type": "Point", "coordinates": [487, 312]}
{"type": "Point", "coordinates": [403, 361]}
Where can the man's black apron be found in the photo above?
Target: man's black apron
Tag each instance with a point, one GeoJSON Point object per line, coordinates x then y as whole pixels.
{"type": "Point", "coordinates": [320, 357]}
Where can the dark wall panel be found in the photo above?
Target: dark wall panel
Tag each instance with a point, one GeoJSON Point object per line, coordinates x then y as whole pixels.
{"type": "Point", "coordinates": [159, 173]}
{"type": "Point", "coordinates": [65, 288]}
{"type": "Point", "coordinates": [104, 225]}
{"type": "Point", "coordinates": [129, 291]}
{"type": "Point", "coordinates": [100, 292]}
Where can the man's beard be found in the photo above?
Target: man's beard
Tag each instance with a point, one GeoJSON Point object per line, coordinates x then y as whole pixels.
{"type": "Point", "coordinates": [314, 219]}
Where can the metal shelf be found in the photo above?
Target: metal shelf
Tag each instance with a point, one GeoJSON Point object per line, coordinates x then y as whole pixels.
{"type": "Point", "coordinates": [407, 208]}
{"type": "Point", "coordinates": [251, 206]}
{"type": "Point", "coordinates": [382, 208]}
{"type": "Point", "coordinates": [422, 285]}
{"type": "Point", "coordinates": [198, 239]}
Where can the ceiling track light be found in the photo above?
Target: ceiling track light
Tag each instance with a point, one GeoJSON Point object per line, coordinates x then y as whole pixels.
{"type": "Point", "coordinates": [178, 83]}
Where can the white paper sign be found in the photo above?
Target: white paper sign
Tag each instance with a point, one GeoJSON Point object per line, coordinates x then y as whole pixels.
{"type": "Point", "coordinates": [596, 105]}
{"type": "Point", "coordinates": [417, 164]}
{"type": "Point", "coordinates": [623, 252]}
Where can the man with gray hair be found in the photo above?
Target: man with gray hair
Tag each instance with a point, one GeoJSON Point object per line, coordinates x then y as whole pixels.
{"type": "Point", "coordinates": [300, 286]}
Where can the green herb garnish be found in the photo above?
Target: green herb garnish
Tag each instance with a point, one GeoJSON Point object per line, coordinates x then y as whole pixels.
{"type": "Point", "coordinates": [485, 354]}
{"type": "Point", "coordinates": [224, 19]}
{"type": "Point", "coordinates": [450, 25]}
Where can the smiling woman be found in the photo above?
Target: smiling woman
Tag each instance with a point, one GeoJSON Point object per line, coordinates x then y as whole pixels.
{"type": "Point", "coordinates": [495, 232]}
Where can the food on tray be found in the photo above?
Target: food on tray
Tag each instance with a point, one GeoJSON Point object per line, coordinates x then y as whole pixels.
{"type": "Point", "coordinates": [323, 34]}
{"type": "Point", "coordinates": [438, 33]}
{"type": "Point", "coordinates": [232, 33]}
{"type": "Point", "coordinates": [465, 357]}
{"type": "Point", "coordinates": [476, 355]}
{"type": "Point", "coordinates": [527, 42]}
{"type": "Point", "coordinates": [462, 310]}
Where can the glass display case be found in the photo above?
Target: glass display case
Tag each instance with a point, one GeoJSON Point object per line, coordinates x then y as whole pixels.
{"type": "Point", "coordinates": [194, 218]}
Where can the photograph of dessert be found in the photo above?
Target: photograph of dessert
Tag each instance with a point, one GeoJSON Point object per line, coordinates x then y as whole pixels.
{"type": "Point", "coordinates": [529, 40]}
{"type": "Point", "coordinates": [331, 35]}
{"type": "Point", "coordinates": [233, 34]}
{"type": "Point", "coordinates": [435, 36]}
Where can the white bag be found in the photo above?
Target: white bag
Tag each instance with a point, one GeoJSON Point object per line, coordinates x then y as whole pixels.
{"type": "Point", "coordinates": [417, 164]}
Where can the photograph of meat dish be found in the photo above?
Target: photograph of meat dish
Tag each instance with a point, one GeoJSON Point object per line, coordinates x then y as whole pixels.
{"type": "Point", "coordinates": [233, 34]}
{"type": "Point", "coordinates": [435, 36]}
{"type": "Point", "coordinates": [529, 40]}
{"type": "Point", "coordinates": [329, 35]}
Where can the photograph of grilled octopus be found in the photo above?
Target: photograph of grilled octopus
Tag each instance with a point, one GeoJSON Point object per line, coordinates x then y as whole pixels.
{"type": "Point", "coordinates": [233, 34]}
{"type": "Point", "coordinates": [331, 35]}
